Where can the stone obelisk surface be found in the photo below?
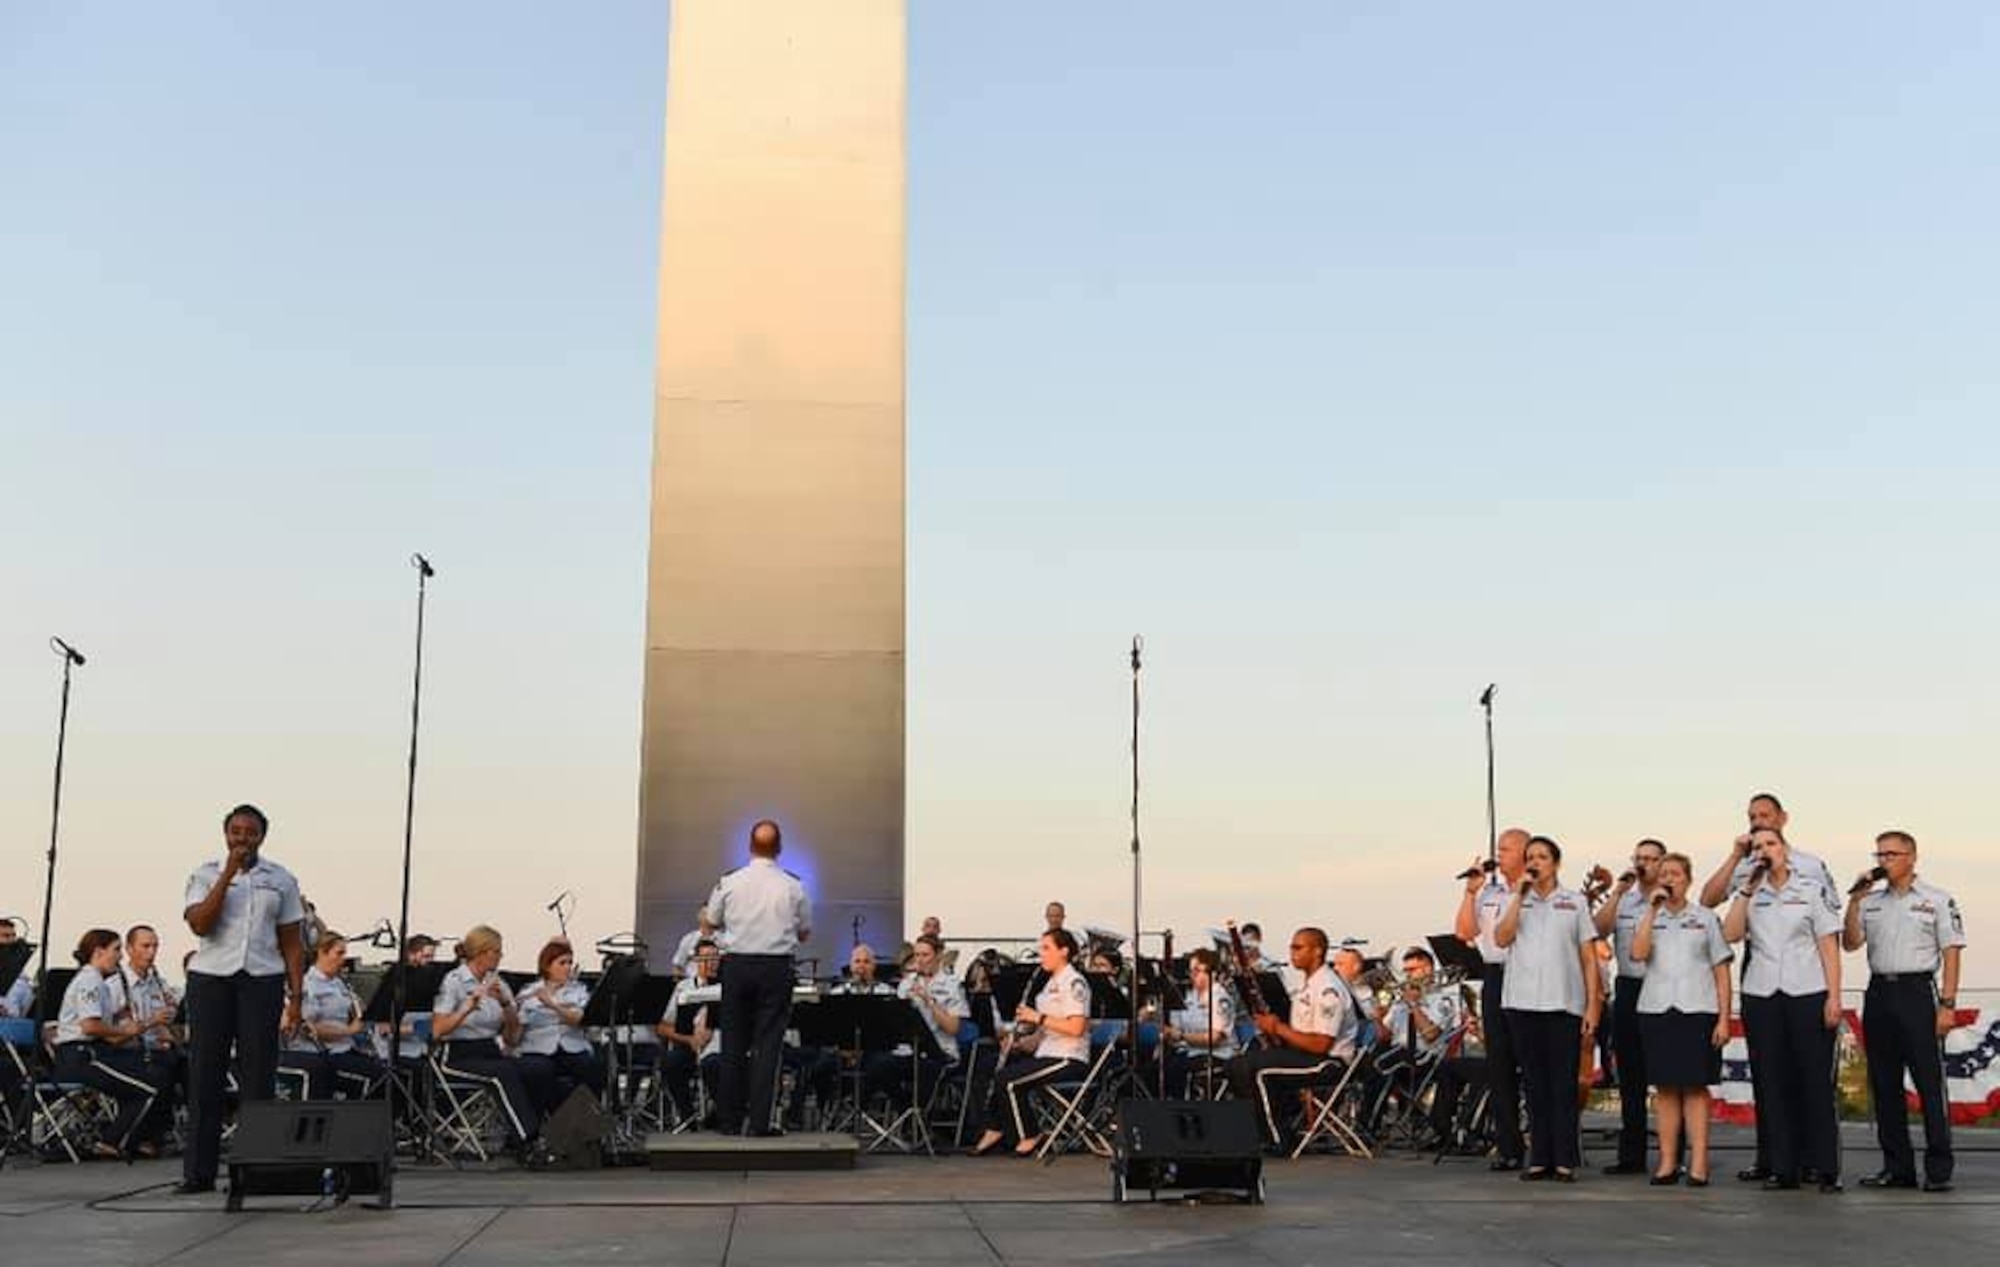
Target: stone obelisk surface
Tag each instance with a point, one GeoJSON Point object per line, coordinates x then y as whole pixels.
{"type": "Point", "coordinates": [775, 631]}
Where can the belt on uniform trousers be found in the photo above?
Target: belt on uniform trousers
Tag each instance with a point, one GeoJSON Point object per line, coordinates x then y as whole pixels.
{"type": "Point", "coordinates": [1902, 978]}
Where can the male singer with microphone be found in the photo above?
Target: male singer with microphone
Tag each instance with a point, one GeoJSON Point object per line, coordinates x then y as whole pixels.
{"type": "Point", "coordinates": [761, 914]}
{"type": "Point", "coordinates": [247, 970]}
{"type": "Point", "coordinates": [1913, 932]}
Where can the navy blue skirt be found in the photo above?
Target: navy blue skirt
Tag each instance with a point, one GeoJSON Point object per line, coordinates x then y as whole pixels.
{"type": "Point", "coordinates": [1678, 1050]}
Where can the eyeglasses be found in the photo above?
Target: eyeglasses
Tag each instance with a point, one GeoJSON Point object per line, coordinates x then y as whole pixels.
{"type": "Point", "coordinates": [1880, 854]}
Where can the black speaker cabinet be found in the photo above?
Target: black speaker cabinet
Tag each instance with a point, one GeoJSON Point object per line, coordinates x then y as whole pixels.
{"type": "Point", "coordinates": [1190, 1145]}
{"type": "Point", "coordinates": [575, 1133]}
{"type": "Point", "coordinates": [312, 1148]}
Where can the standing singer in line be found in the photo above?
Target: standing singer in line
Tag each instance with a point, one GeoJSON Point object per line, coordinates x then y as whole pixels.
{"type": "Point", "coordinates": [1553, 999]}
{"type": "Point", "coordinates": [1912, 931]}
{"type": "Point", "coordinates": [248, 971]}
{"type": "Point", "coordinates": [1619, 919]}
{"type": "Point", "coordinates": [762, 916]}
{"type": "Point", "coordinates": [1488, 890]}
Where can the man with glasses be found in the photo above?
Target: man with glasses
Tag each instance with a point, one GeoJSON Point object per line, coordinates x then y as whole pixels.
{"type": "Point", "coordinates": [1911, 929]}
{"type": "Point", "coordinates": [1618, 918]}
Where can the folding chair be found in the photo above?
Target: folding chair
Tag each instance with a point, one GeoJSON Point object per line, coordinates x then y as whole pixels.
{"type": "Point", "coordinates": [1077, 1112]}
{"type": "Point", "coordinates": [52, 1118]}
{"type": "Point", "coordinates": [1324, 1110]}
{"type": "Point", "coordinates": [463, 1112]}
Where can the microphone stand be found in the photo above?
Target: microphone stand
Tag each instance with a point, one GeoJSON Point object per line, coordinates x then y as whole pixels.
{"type": "Point", "coordinates": [1132, 1084]}
{"type": "Point", "coordinates": [71, 658]}
{"type": "Point", "coordinates": [1492, 817]}
{"type": "Point", "coordinates": [402, 971]}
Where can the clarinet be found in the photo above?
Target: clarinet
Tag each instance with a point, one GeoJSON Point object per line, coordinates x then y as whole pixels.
{"type": "Point", "coordinates": [1247, 983]}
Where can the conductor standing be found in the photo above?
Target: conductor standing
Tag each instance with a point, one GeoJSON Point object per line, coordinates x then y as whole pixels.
{"type": "Point", "coordinates": [761, 914]}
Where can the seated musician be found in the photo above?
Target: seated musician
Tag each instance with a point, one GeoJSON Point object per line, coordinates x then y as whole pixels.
{"type": "Point", "coordinates": [98, 1046]}
{"type": "Point", "coordinates": [19, 998]}
{"type": "Point", "coordinates": [1412, 1034]}
{"type": "Point", "coordinates": [699, 1046]}
{"type": "Point", "coordinates": [1352, 969]}
{"type": "Point", "coordinates": [1051, 1043]}
{"type": "Point", "coordinates": [555, 1054]}
{"type": "Point", "coordinates": [1315, 1043]}
{"type": "Point", "coordinates": [863, 975]}
{"type": "Point", "coordinates": [155, 1003]}
{"type": "Point", "coordinates": [323, 1053]}
{"type": "Point", "coordinates": [937, 997]}
{"type": "Point", "coordinates": [1202, 1034]}
{"type": "Point", "coordinates": [1421, 1021]}
{"type": "Point", "coordinates": [474, 1010]}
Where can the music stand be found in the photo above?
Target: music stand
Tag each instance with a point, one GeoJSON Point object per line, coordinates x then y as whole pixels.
{"type": "Point", "coordinates": [420, 990]}
{"type": "Point", "coordinates": [1453, 953]}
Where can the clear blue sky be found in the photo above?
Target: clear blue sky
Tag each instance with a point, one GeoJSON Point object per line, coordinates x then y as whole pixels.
{"type": "Point", "coordinates": [1359, 354]}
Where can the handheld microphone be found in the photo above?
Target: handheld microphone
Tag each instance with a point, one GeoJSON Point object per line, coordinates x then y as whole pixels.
{"type": "Point", "coordinates": [1485, 868]}
{"type": "Point", "coordinates": [1867, 882]}
{"type": "Point", "coordinates": [422, 565]}
{"type": "Point", "coordinates": [66, 651]}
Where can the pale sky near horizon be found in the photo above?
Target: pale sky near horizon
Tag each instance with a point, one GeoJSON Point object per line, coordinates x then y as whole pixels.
{"type": "Point", "coordinates": [1357, 354]}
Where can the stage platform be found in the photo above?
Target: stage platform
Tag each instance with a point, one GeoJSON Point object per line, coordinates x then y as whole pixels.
{"type": "Point", "coordinates": [699, 1150]}
{"type": "Point", "coordinates": [964, 1212]}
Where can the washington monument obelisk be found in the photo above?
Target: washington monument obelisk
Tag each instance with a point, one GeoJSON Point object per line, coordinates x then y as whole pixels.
{"type": "Point", "coordinates": [774, 614]}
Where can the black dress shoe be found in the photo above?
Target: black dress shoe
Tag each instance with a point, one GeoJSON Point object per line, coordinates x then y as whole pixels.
{"type": "Point", "coordinates": [1697, 1181]}
{"type": "Point", "coordinates": [1775, 1184]}
{"type": "Point", "coordinates": [1625, 1168]}
{"type": "Point", "coordinates": [1534, 1174]}
{"type": "Point", "coordinates": [1505, 1163]}
{"type": "Point", "coordinates": [1562, 1174]}
{"type": "Point", "coordinates": [1884, 1179]}
{"type": "Point", "coordinates": [1937, 1185]}
{"type": "Point", "coordinates": [1753, 1174]}
{"type": "Point", "coordinates": [768, 1132]}
{"type": "Point", "coordinates": [194, 1187]}
{"type": "Point", "coordinates": [1667, 1180]}
{"type": "Point", "coordinates": [1829, 1183]}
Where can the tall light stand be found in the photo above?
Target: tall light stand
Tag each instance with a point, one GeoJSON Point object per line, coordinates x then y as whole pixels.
{"type": "Point", "coordinates": [1492, 817]}
{"type": "Point", "coordinates": [72, 659]}
{"type": "Point", "coordinates": [1132, 1037]}
{"type": "Point", "coordinates": [401, 971]}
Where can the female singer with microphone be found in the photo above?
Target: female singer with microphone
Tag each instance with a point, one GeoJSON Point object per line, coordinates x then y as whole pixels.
{"type": "Point", "coordinates": [1683, 1014]}
{"type": "Point", "coordinates": [473, 1012]}
{"type": "Point", "coordinates": [1791, 1009]}
{"type": "Point", "coordinates": [1553, 998]}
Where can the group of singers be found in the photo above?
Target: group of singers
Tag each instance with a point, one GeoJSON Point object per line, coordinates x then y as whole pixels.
{"type": "Point", "coordinates": [252, 996]}
{"type": "Point", "coordinates": [1672, 947]}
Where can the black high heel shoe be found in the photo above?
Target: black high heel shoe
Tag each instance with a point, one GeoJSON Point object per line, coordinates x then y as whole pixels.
{"type": "Point", "coordinates": [1667, 1180]}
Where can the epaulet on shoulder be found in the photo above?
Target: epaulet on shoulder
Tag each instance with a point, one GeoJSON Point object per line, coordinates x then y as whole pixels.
{"type": "Point", "coordinates": [795, 875]}
{"type": "Point", "coordinates": [737, 871]}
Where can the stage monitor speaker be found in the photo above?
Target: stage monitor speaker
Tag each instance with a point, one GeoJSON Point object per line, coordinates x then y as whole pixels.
{"type": "Point", "coordinates": [325, 1148]}
{"type": "Point", "coordinates": [1190, 1145]}
{"type": "Point", "coordinates": [575, 1133]}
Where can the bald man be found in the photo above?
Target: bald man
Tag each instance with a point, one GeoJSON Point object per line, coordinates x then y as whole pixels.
{"type": "Point", "coordinates": [761, 915]}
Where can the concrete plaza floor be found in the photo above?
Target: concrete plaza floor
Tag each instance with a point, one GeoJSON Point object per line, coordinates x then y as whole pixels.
{"type": "Point", "coordinates": [960, 1211]}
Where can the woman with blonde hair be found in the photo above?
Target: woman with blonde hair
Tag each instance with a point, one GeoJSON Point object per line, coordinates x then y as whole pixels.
{"type": "Point", "coordinates": [474, 1011]}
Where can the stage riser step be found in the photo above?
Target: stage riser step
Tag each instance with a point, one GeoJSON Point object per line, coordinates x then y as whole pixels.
{"type": "Point", "coordinates": [695, 1151]}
